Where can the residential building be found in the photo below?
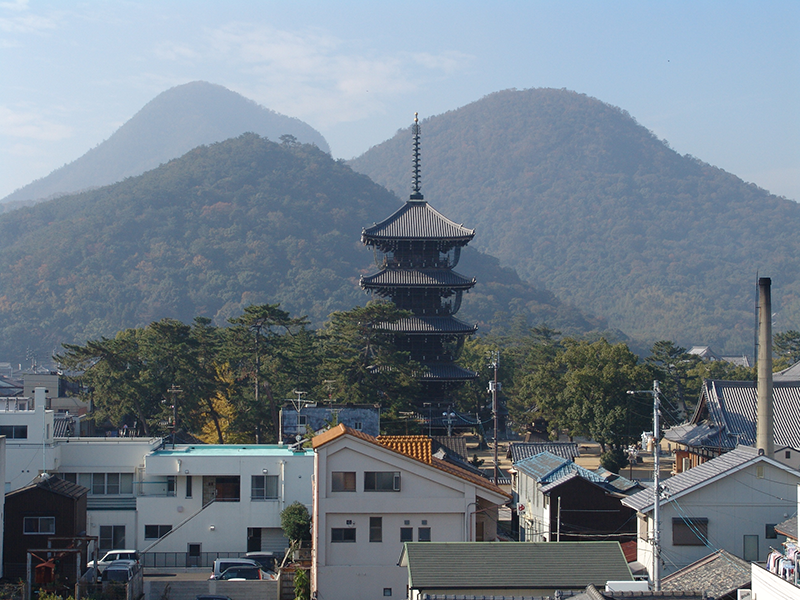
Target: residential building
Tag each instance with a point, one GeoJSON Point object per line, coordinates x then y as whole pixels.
{"type": "Point", "coordinates": [557, 499]}
{"type": "Point", "coordinates": [732, 502]}
{"type": "Point", "coordinates": [371, 495]}
{"type": "Point", "coordinates": [298, 419]}
{"type": "Point", "coordinates": [725, 418]}
{"type": "Point", "coordinates": [47, 507]}
{"type": "Point", "coordinates": [508, 570]}
{"type": "Point", "coordinates": [720, 575]}
{"type": "Point", "coordinates": [141, 489]}
{"type": "Point", "coordinates": [518, 451]}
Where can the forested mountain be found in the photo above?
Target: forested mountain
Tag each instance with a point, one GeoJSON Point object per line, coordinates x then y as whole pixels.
{"type": "Point", "coordinates": [240, 222]}
{"type": "Point", "coordinates": [581, 199]}
{"type": "Point", "coordinates": [168, 126]}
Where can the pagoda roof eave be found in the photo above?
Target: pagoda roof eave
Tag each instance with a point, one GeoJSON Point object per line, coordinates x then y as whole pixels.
{"type": "Point", "coordinates": [417, 220]}
{"type": "Point", "coordinates": [417, 278]}
{"type": "Point", "coordinates": [428, 326]}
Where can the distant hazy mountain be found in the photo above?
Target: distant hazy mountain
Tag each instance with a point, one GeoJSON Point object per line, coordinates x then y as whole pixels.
{"type": "Point", "coordinates": [168, 126]}
{"type": "Point", "coordinates": [580, 199]}
{"type": "Point", "coordinates": [240, 222]}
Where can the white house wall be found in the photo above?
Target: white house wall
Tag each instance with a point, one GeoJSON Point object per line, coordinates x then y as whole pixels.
{"type": "Point", "coordinates": [740, 504]}
{"type": "Point", "coordinates": [428, 497]}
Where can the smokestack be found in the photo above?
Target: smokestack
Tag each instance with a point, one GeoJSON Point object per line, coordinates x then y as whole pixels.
{"type": "Point", "coordinates": [764, 425]}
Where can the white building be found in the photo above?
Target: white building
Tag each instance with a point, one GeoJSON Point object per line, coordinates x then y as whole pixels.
{"type": "Point", "coordinates": [731, 502]}
{"type": "Point", "coordinates": [371, 495]}
{"type": "Point", "coordinates": [140, 490]}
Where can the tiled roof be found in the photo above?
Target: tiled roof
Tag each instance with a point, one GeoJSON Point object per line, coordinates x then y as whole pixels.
{"type": "Point", "coordinates": [394, 444]}
{"type": "Point", "coordinates": [521, 450]}
{"type": "Point", "coordinates": [435, 278]}
{"type": "Point", "coordinates": [718, 574]}
{"type": "Point", "coordinates": [55, 485]}
{"type": "Point", "coordinates": [455, 444]}
{"type": "Point", "coordinates": [552, 471]}
{"type": "Point", "coordinates": [699, 476]}
{"type": "Point", "coordinates": [731, 407]}
{"type": "Point", "coordinates": [415, 446]}
{"type": "Point", "coordinates": [447, 372]}
{"type": "Point", "coordinates": [503, 565]}
{"type": "Point", "coordinates": [789, 374]}
{"type": "Point", "coordinates": [788, 528]}
{"type": "Point", "coordinates": [417, 220]}
{"type": "Point", "coordinates": [428, 325]}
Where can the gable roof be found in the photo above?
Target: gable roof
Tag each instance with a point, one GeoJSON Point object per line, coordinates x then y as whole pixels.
{"type": "Point", "coordinates": [726, 416]}
{"type": "Point", "coordinates": [552, 471]}
{"type": "Point", "coordinates": [417, 220]}
{"type": "Point", "coordinates": [720, 573]}
{"type": "Point", "coordinates": [53, 484]}
{"type": "Point", "coordinates": [415, 447]}
{"type": "Point", "coordinates": [701, 476]}
{"type": "Point", "coordinates": [788, 374]}
{"type": "Point", "coordinates": [487, 565]}
{"type": "Point", "coordinates": [520, 450]}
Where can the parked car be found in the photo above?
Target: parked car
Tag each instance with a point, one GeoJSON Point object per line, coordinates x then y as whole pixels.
{"type": "Point", "coordinates": [267, 560]}
{"type": "Point", "coordinates": [113, 555]}
{"type": "Point", "coordinates": [120, 571]}
{"type": "Point", "coordinates": [243, 572]}
{"type": "Point", "coordinates": [223, 564]}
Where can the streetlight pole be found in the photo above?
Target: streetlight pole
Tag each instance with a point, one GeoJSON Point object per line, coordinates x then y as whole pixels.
{"type": "Point", "coordinates": [656, 392]}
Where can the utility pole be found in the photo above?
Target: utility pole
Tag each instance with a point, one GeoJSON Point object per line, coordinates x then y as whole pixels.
{"type": "Point", "coordinates": [495, 364]}
{"type": "Point", "coordinates": [174, 390]}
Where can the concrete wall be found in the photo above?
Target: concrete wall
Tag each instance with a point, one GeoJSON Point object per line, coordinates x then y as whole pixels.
{"type": "Point", "coordinates": [187, 590]}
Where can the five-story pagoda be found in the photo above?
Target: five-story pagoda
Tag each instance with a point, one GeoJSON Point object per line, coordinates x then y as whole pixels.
{"type": "Point", "coordinates": [416, 249]}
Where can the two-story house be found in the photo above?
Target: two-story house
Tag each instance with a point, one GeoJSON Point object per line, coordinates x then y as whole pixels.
{"type": "Point", "coordinates": [371, 495]}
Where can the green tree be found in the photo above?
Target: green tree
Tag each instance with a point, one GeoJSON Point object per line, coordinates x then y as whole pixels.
{"type": "Point", "coordinates": [673, 367]}
{"type": "Point", "coordinates": [296, 522]}
{"type": "Point", "coordinates": [786, 348]}
{"type": "Point", "coordinates": [361, 362]}
{"type": "Point", "coordinates": [583, 389]}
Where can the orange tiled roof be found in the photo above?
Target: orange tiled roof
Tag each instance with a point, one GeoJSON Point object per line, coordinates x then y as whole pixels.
{"type": "Point", "coordinates": [410, 446]}
{"type": "Point", "coordinates": [415, 446]}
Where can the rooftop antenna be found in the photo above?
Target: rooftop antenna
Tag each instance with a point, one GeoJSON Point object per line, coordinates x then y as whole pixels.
{"type": "Point", "coordinates": [416, 179]}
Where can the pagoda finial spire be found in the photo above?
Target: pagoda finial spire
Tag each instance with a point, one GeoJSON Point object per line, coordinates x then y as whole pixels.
{"type": "Point", "coordinates": [416, 179]}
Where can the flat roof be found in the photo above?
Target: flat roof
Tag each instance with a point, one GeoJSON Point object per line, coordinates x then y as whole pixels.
{"type": "Point", "coordinates": [232, 450]}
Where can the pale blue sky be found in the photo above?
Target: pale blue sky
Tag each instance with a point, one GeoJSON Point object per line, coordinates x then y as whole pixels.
{"type": "Point", "coordinates": [717, 79]}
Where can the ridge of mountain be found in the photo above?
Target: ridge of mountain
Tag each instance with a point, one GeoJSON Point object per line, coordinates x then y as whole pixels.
{"type": "Point", "coordinates": [239, 222]}
{"type": "Point", "coordinates": [171, 124]}
{"type": "Point", "coordinates": [582, 200]}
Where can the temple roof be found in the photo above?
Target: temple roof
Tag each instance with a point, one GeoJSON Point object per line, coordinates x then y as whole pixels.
{"type": "Point", "coordinates": [428, 325]}
{"type": "Point", "coordinates": [417, 220]}
{"type": "Point", "coordinates": [447, 372]}
{"type": "Point", "coordinates": [419, 278]}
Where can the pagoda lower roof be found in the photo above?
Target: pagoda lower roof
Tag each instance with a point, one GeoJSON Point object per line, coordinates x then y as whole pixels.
{"type": "Point", "coordinates": [428, 325]}
{"type": "Point", "coordinates": [417, 220]}
{"type": "Point", "coordinates": [446, 372]}
{"type": "Point", "coordinates": [420, 278]}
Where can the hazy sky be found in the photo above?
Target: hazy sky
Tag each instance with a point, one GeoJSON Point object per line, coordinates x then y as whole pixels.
{"type": "Point", "coordinates": [717, 79]}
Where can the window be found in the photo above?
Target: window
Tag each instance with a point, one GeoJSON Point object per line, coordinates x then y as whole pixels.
{"type": "Point", "coordinates": [14, 432]}
{"type": "Point", "coordinates": [382, 481]}
{"type": "Point", "coordinates": [154, 532]}
{"type": "Point", "coordinates": [264, 487]}
{"type": "Point", "coordinates": [112, 537]}
{"type": "Point", "coordinates": [424, 534]}
{"type": "Point", "coordinates": [358, 426]}
{"type": "Point", "coordinates": [387, 591]}
{"type": "Point", "coordinates": [689, 532]}
{"type": "Point", "coordinates": [39, 525]}
{"type": "Point", "coordinates": [406, 534]}
{"type": "Point", "coordinates": [343, 534]}
{"type": "Point", "coordinates": [376, 529]}
{"type": "Point", "coordinates": [189, 486]}
{"type": "Point", "coordinates": [343, 481]}
{"type": "Point", "coordinates": [302, 420]}
{"type": "Point", "coordinates": [771, 534]}
{"type": "Point", "coordinates": [172, 482]}
{"type": "Point", "coordinates": [102, 484]}
{"type": "Point", "coordinates": [788, 454]}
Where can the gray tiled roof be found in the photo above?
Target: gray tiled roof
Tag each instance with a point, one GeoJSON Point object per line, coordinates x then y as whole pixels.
{"type": "Point", "coordinates": [552, 471]}
{"type": "Point", "coordinates": [529, 565]}
{"type": "Point", "coordinates": [427, 325]}
{"type": "Point", "coordinates": [718, 574]}
{"type": "Point", "coordinates": [521, 450]}
{"type": "Point", "coordinates": [417, 220]}
{"type": "Point", "coordinates": [731, 407]}
{"type": "Point", "coordinates": [447, 372]}
{"type": "Point", "coordinates": [696, 477]}
{"type": "Point", "coordinates": [438, 278]}
{"type": "Point", "coordinates": [789, 374]}
{"type": "Point", "coordinates": [788, 528]}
